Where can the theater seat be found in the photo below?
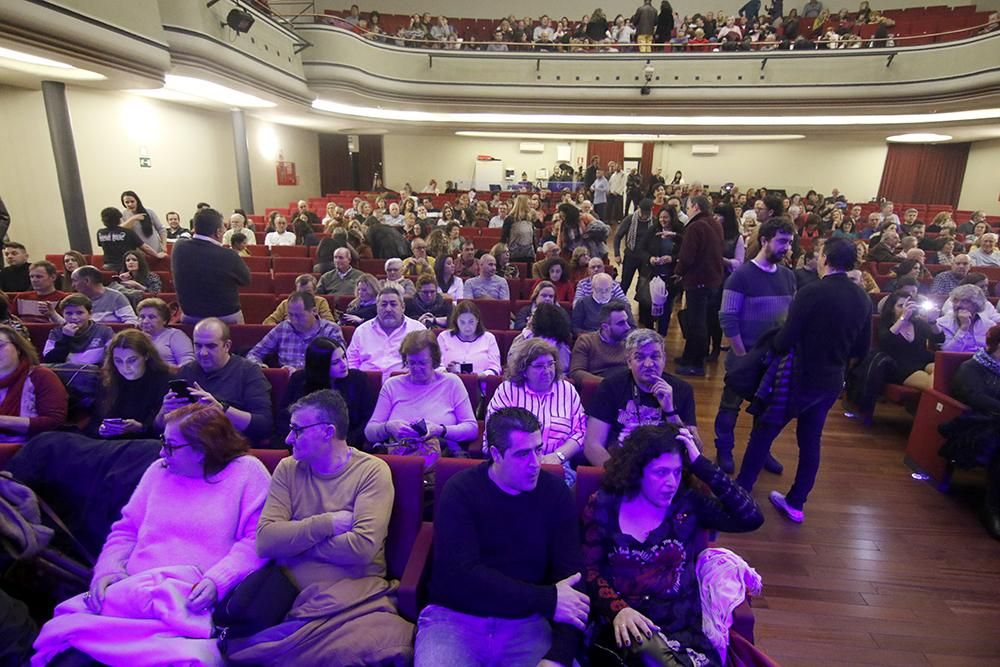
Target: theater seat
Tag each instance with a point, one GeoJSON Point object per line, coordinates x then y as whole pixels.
{"type": "Point", "coordinates": [495, 314]}
{"type": "Point", "coordinates": [925, 441]}
{"type": "Point", "coordinates": [257, 306]}
{"type": "Point", "coordinates": [945, 366]}
{"type": "Point", "coordinates": [278, 377]}
{"type": "Point", "coordinates": [245, 336]}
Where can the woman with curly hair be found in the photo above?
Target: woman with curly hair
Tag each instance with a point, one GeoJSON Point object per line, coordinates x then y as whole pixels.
{"type": "Point", "coordinates": [550, 323]}
{"type": "Point", "coordinates": [556, 270]}
{"type": "Point", "coordinates": [641, 539]}
{"type": "Point", "coordinates": [533, 383]}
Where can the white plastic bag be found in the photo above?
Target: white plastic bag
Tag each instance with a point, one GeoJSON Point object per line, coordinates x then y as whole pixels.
{"type": "Point", "coordinates": [657, 295]}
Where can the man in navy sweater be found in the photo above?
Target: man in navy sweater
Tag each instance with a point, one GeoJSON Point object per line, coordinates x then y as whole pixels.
{"type": "Point", "coordinates": [829, 323]}
{"type": "Point", "coordinates": [506, 560]}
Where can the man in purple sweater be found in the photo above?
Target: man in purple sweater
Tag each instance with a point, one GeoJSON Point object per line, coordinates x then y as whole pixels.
{"type": "Point", "coordinates": [507, 560]}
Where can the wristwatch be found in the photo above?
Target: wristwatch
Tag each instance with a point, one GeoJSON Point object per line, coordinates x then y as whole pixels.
{"type": "Point", "coordinates": [560, 456]}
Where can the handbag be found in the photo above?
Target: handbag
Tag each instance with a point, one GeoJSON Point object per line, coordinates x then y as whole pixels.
{"type": "Point", "coordinates": [261, 601]}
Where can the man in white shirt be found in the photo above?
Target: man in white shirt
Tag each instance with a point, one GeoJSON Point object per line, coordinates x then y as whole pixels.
{"type": "Point", "coordinates": [544, 33]}
{"type": "Point", "coordinates": [375, 343]}
{"type": "Point", "coordinates": [280, 235]}
{"type": "Point", "coordinates": [617, 182]}
{"type": "Point", "coordinates": [600, 188]}
{"type": "Point", "coordinates": [237, 224]}
{"type": "Point", "coordinates": [496, 222]}
{"type": "Point", "coordinates": [986, 254]}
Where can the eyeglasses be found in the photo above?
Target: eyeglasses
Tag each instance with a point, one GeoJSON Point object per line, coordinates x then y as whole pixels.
{"type": "Point", "coordinates": [297, 430]}
{"type": "Point", "coordinates": [169, 448]}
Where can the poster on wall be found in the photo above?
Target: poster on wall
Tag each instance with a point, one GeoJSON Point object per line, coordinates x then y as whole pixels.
{"type": "Point", "coordinates": [286, 173]}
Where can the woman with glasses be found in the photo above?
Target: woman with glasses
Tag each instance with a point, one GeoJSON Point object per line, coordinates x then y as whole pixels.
{"type": "Point", "coordinates": [186, 538]}
{"type": "Point", "coordinates": [534, 383]}
{"type": "Point", "coordinates": [425, 411]}
{"type": "Point", "coordinates": [326, 368]}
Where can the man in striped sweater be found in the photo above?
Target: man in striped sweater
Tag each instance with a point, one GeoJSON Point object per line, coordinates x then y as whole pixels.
{"type": "Point", "coordinates": [755, 299]}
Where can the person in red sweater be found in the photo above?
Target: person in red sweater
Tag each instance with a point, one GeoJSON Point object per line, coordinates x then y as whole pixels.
{"type": "Point", "coordinates": [32, 399]}
{"type": "Point", "coordinates": [701, 272]}
{"type": "Point", "coordinates": [39, 305]}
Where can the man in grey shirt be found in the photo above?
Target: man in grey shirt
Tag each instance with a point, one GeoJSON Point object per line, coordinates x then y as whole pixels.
{"type": "Point", "coordinates": [108, 305]}
{"type": "Point", "coordinates": [487, 285]}
{"type": "Point", "coordinates": [343, 278]}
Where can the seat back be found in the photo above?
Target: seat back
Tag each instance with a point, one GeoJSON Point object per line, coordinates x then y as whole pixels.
{"type": "Point", "coordinates": [945, 366]}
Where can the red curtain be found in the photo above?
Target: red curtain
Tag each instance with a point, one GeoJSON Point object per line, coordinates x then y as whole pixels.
{"type": "Point", "coordinates": [924, 174]}
{"type": "Point", "coordinates": [646, 164]}
{"type": "Point", "coordinates": [606, 151]}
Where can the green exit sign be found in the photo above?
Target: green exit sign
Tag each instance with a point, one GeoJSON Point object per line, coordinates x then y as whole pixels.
{"type": "Point", "coordinates": [146, 163]}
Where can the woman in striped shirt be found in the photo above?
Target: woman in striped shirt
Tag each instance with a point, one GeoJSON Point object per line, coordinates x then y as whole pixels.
{"type": "Point", "coordinates": [534, 383]}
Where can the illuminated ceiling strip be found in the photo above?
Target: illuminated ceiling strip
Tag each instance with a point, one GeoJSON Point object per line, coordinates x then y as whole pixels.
{"type": "Point", "coordinates": [681, 138]}
{"type": "Point", "coordinates": [648, 121]}
{"type": "Point", "coordinates": [214, 92]}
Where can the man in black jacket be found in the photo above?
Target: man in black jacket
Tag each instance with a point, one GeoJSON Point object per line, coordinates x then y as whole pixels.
{"type": "Point", "coordinates": [207, 276]}
{"type": "Point", "coordinates": [829, 323]}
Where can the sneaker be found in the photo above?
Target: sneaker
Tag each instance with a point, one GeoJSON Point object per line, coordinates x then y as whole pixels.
{"type": "Point", "coordinates": [773, 465]}
{"type": "Point", "coordinates": [792, 514]}
{"type": "Point", "coordinates": [724, 459]}
{"type": "Point", "coordinates": [693, 371]}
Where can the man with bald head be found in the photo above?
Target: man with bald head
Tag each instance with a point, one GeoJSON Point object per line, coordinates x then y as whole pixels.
{"type": "Point", "coordinates": [986, 254]}
{"type": "Point", "coordinates": [303, 213]}
{"type": "Point", "coordinates": [585, 288]}
{"type": "Point", "coordinates": [343, 278]}
{"type": "Point", "coordinates": [587, 311]}
{"type": "Point", "coordinates": [217, 377]}
{"type": "Point", "coordinates": [238, 225]}
{"type": "Point", "coordinates": [887, 249]}
{"type": "Point", "coordinates": [946, 281]}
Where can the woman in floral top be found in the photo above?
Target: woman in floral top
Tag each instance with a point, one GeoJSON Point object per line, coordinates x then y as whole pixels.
{"type": "Point", "coordinates": [642, 534]}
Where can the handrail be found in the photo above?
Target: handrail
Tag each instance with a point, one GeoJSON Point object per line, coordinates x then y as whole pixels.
{"type": "Point", "coordinates": [630, 47]}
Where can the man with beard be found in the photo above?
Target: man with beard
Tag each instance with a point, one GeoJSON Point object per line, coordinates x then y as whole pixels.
{"type": "Point", "coordinates": [755, 299]}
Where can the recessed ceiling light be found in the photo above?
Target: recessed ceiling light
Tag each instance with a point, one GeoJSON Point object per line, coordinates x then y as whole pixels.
{"type": "Point", "coordinates": [407, 115]}
{"type": "Point", "coordinates": [676, 138]}
{"type": "Point", "coordinates": [20, 57]}
{"type": "Point", "coordinates": [214, 92]}
{"type": "Point", "coordinates": [918, 138]}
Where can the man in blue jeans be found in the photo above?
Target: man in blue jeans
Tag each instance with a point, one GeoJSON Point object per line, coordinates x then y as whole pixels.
{"type": "Point", "coordinates": [700, 269]}
{"type": "Point", "coordinates": [829, 323]}
{"type": "Point", "coordinates": [507, 560]}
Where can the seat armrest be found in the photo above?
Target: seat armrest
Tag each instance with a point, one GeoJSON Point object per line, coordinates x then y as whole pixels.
{"type": "Point", "coordinates": [416, 572]}
{"type": "Point", "coordinates": [743, 620]}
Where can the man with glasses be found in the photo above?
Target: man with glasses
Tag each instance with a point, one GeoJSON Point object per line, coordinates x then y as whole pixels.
{"type": "Point", "coordinates": [235, 385]}
{"type": "Point", "coordinates": [325, 519]}
{"type": "Point", "coordinates": [428, 306]}
{"type": "Point", "coordinates": [420, 261]}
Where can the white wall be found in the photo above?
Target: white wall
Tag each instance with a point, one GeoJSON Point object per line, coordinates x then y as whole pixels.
{"type": "Point", "coordinates": [415, 159]}
{"type": "Point", "coordinates": [855, 168]}
{"type": "Point", "coordinates": [981, 188]}
{"type": "Point", "coordinates": [191, 150]}
{"type": "Point", "coordinates": [28, 174]}
{"type": "Point", "coordinates": [574, 9]}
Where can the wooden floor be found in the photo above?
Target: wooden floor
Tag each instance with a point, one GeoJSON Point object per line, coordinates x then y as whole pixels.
{"type": "Point", "coordinates": [884, 571]}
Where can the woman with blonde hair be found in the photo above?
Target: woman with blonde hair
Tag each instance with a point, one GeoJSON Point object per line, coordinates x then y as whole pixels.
{"type": "Point", "coordinates": [518, 230]}
{"type": "Point", "coordinates": [505, 269]}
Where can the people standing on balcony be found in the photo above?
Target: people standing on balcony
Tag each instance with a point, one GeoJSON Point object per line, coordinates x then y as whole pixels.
{"type": "Point", "coordinates": [644, 21]}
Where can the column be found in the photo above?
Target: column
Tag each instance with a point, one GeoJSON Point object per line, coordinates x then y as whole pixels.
{"type": "Point", "coordinates": [67, 167]}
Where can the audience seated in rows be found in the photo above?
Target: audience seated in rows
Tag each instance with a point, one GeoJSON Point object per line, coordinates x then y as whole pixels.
{"type": "Point", "coordinates": [79, 340]}
{"type": "Point", "coordinates": [550, 323]}
{"type": "Point", "coordinates": [466, 346]}
{"type": "Point", "coordinates": [423, 412]}
{"type": "Point", "coordinates": [326, 519]}
{"type": "Point", "coordinates": [204, 488]}
{"type": "Point", "coordinates": [217, 377]}
{"type": "Point", "coordinates": [534, 381]}
{"type": "Point", "coordinates": [487, 285]}
{"type": "Point", "coordinates": [376, 342]}
{"type": "Point", "coordinates": [289, 339]}
{"type": "Point", "coordinates": [107, 305]}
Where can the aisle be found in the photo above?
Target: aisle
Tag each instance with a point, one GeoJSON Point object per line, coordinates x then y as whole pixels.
{"type": "Point", "coordinates": [884, 571]}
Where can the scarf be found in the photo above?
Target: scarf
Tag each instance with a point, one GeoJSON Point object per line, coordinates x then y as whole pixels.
{"type": "Point", "coordinates": [987, 360]}
{"type": "Point", "coordinates": [14, 384]}
{"type": "Point", "coordinates": [633, 227]}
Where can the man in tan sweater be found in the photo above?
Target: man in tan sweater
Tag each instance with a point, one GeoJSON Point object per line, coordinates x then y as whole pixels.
{"type": "Point", "coordinates": [326, 519]}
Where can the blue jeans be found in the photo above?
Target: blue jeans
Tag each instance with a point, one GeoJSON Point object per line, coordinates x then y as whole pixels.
{"type": "Point", "coordinates": [812, 408]}
{"type": "Point", "coordinates": [446, 637]}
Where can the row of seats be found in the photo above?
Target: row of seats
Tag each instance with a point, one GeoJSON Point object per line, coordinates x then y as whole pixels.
{"type": "Point", "coordinates": [409, 540]}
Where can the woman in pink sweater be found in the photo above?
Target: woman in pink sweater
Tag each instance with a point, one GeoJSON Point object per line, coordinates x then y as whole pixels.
{"type": "Point", "coordinates": [185, 539]}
